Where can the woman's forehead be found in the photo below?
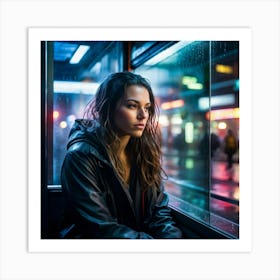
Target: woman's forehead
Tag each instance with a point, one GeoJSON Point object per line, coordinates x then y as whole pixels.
{"type": "Point", "coordinates": [137, 92]}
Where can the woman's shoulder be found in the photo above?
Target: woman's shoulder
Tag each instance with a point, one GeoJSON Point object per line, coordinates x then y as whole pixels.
{"type": "Point", "coordinates": [83, 138]}
{"type": "Point", "coordinates": [85, 142]}
{"type": "Point", "coordinates": [81, 147]}
{"type": "Point", "coordinates": [87, 149]}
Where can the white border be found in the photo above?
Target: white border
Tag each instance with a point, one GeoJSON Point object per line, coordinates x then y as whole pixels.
{"type": "Point", "coordinates": [35, 36]}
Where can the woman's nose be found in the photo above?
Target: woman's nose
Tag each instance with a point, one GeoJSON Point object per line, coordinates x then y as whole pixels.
{"type": "Point", "coordinates": [142, 113]}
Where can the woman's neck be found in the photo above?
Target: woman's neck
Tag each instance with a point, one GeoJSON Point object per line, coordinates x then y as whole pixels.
{"type": "Point", "coordinates": [124, 158]}
{"type": "Point", "coordinates": [121, 151]}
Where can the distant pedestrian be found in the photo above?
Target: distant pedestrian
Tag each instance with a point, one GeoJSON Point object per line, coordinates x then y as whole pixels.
{"type": "Point", "coordinates": [230, 147]}
{"type": "Point", "coordinates": [209, 150]}
{"type": "Point", "coordinates": [215, 144]}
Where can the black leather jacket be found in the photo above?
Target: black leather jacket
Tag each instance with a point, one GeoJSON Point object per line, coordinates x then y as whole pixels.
{"type": "Point", "coordinates": [98, 205]}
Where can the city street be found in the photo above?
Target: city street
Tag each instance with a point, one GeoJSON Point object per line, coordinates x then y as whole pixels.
{"type": "Point", "coordinates": [189, 181]}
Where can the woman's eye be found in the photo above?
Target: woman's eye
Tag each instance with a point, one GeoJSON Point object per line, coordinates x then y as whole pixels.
{"type": "Point", "coordinates": [131, 106]}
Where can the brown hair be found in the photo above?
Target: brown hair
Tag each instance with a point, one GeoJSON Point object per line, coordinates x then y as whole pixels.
{"type": "Point", "coordinates": [145, 150]}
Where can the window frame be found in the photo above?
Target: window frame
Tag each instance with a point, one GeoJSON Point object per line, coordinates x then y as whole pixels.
{"type": "Point", "coordinates": [190, 225]}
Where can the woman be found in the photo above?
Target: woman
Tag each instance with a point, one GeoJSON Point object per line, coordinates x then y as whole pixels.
{"type": "Point", "coordinates": [111, 175]}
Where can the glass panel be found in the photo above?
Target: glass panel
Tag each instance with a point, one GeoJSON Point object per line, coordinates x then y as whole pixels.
{"type": "Point", "coordinates": [71, 93]}
{"type": "Point", "coordinates": [179, 80]}
{"type": "Point", "coordinates": [224, 200]}
{"type": "Point", "coordinates": [197, 89]}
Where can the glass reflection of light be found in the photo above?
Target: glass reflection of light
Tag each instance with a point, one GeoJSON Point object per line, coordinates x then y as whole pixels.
{"type": "Point", "coordinates": [176, 130]}
{"type": "Point", "coordinates": [188, 80]}
{"type": "Point", "coordinates": [71, 119]}
{"type": "Point", "coordinates": [189, 164]}
{"type": "Point", "coordinates": [225, 99]}
{"type": "Point", "coordinates": [191, 83]}
{"type": "Point", "coordinates": [223, 114]}
{"type": "Point", "coordinates": [55, 115]}
{"type": "Point", "coordinates": [222, 125]}
{"type": "Point", "coordinates": [189, 132]}
{"type": "Point", "coordinates": [225, 69]}
{"type": "Point", "coordinates": [226, 190]}
{"type": "Point", "coordinates": [163, 120]}
{"type": "Point", "coordinates": [74, 87]}
{"type": "Point", "coordinates": [236, 194]}
{"type": "Point", "coordinates": [167, 52]}
{"type": "Point", "coordinates": [63, 124]}
{"type": "Point", "coordinates": [172, 104]}
{"type": "Point", "coordinates": [176, 119]}
{"type": "Point", "coordinates": [79, 53]}
{"type": "Point", "coordinates": [196, 86]}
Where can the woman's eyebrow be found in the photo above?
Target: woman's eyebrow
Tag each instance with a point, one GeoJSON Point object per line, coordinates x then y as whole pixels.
{"type": "Point", "coordinates": [136, 101]}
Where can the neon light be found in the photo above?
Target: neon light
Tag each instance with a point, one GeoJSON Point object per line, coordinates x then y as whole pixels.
{"type": "Point", "coordinates": [79, 53]}
{"type": "Point", "coordinates": [188, 80]}
{"type": "Point", "coordinates": [204, 103]}
{"type": "Point", "coordinates": [191, 83]}
{"type": "Point", "coordinates": [195, 86]}
{"type": "Point", "coordinates": [172, 104]}
{"type": "Point", "coordinates": [189, 132]}
{"type": "Point", "coordinates": [75, 87]}
{"type": "Point", "coordinates": [223, 114]}
{"type": "Point", "coordinates": [225, 69]}
{"type": "Point", "coordinates": [167, 52]}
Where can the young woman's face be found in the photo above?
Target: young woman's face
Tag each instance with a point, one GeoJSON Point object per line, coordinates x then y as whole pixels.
{"type": "Point", "coordinates": [132, 111]}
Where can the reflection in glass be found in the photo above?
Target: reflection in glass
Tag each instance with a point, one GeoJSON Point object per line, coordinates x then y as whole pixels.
{"type": "Point", "coordinates": [178, 81]}
{"type": "Point", "coordinates": [197, 89]}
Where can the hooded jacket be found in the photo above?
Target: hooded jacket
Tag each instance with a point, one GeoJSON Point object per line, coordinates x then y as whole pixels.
{"type": "Point", "coordinates": [98, 205]}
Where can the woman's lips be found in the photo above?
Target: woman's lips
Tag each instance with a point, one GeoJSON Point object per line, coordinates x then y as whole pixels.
{"type": "Point", "coordinates": [139, 126]}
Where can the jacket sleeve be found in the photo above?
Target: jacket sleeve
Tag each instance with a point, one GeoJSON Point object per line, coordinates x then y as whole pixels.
{"type": "Point", "coordinates": [160, 224]}
{"type": "Point", "coordinates": [79, 179]}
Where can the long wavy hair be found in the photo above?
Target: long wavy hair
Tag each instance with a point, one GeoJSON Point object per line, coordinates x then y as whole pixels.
{"type": "Point", "coordinates": [145, 151]}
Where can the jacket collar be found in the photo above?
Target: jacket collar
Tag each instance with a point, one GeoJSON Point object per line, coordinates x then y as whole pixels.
{"type": "Point", "coordinates": [89, 132]}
